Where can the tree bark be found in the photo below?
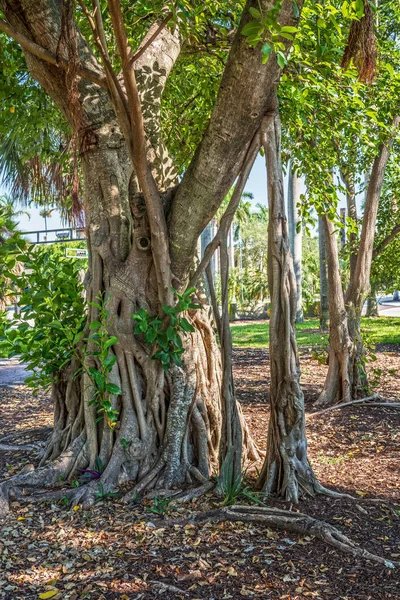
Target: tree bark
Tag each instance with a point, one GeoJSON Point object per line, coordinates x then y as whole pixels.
{"type": "Point", "coordinates": [286, 470]}
{"type": "Point", "coordinates": [372, 305]}
{"type": "Point", "coordinates": [295, 236]}
{"type": "Point", "coordinates": [323, 278]}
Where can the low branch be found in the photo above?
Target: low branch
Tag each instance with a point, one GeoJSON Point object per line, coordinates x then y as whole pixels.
{"type": "Point", "coordinates": [43, 54]}
{"type": "Point", "coordinates": [344, 404]}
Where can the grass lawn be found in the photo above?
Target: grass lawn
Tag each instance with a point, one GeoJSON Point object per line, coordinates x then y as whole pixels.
{"type": "Point", "coordinates": [383, 330]}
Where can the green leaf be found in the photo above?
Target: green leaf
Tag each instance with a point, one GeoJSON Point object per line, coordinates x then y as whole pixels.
{"type": "Point", "coordinates": [110, 361]}
{"type": "Point", "coordinates": [95, 325]}
{"type": "Point", "coordinates": [111, 341]}
{"type": "Point", "coordinates": [113, 389]}
{"type": "Point", "coordinates": [186, 326]}
{"type": "Point", "coordinates": [254, 29]}
{"type": "Point", "coordinates": [281, 59]}
{"type": "Point", "coordinates": [265, 51]}
{"type": "Point", "coordinates": [288, 29]}
{"type": "Point", "coordinates": [171, 333]}
{"type": "Point", "coordinates": [255, 13]}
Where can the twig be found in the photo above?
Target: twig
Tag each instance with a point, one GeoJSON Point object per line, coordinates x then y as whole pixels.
{"type": "Point", "coordinates": [166, 587]}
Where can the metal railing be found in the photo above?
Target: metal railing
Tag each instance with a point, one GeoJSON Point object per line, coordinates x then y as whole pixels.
{"type": "Point", "coordinates": [62, 235]}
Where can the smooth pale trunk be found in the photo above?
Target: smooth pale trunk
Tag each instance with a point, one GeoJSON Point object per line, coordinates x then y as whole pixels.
{"type": "Point", "coordinates": [323, 278]}
{"type": "Point", "coordinates": [295, 236]}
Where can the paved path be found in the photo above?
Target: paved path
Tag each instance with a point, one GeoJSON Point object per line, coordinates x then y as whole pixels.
{"type": "Point", "coordinates": [12, 373]}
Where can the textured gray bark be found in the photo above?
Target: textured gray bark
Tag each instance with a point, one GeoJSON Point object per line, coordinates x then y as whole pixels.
{"type": "Point", "coordinates": [246, 93]}
{"type": "Point", "coordinates": [295, 236]}
{"type": "Point", "coordinates": [323, 278]}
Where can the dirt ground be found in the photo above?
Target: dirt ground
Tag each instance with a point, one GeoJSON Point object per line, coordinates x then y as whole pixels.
{"type": "Point", "coordinates": [115, 551]}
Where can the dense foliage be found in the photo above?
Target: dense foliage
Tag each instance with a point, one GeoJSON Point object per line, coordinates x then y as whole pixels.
{"type": "Point", "coordinates": [53, 312]}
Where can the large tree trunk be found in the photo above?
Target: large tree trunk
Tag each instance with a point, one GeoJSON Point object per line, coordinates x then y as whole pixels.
{"type": "Point", "coordinates": [323, 278]}
{"type": "Point", "coordinates": [286, 470]}
{"type": "Point", "coordinates": [295, 236]}
{"type": "Point", "coordinates": [142, 236]}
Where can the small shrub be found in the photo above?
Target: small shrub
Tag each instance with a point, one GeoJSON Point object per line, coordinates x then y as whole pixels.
{"type": "Point", "coordinates": [159, 505]}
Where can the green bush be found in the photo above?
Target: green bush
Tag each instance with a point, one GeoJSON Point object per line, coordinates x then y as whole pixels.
{"type": "Point", "coordinates": [53, 312]}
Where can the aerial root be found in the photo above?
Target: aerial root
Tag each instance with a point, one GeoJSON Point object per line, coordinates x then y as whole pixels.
{"type": "Point", "coordinates": [285, 520]}
{"type": "Point", "coordinates": [197, 492]}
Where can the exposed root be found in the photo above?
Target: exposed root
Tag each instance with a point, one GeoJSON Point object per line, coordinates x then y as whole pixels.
{"type": "Point", "coordinates": [161, 588]}
{"type": "Point", "coordinates": [365, 400]}
{"type": "Point", "coordinates": [196, 492]}
{"type": "Point", "coordinates": [288, 521]}
{"type": "Point", "coordinates": [145, 482]}
{"type": "Point", "coordinates": [40, 478]}
{"type": "Point", "coordinates": [15, 448]}
{"type": "Point", "coordinates": [18, 434]}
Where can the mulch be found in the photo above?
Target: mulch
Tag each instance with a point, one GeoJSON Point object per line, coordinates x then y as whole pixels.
{"type": "Point", "coordinates": [117, 552]}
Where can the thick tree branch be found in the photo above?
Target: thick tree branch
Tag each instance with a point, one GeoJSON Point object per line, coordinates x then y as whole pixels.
{"type": "Point", "coordinates": [138, 151]}
{"type": "Point", "coordinates": [45, 55]}
{"type": "Point", "coordinates": [360, 280]}
{"type": "Point", "coordinates": [117, 94]}
{"type": "Point", "coordinates": [152, 34]}
{"type": "Point", "coordinates": [247, 92]}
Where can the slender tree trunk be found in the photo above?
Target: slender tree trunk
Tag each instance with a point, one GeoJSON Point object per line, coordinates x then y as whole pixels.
{"type": "Point", "coordinates": [286, 470]}
{"type": "Point", "coordinates": [323, 278]}
{"type": "Point", "coordinates": [295, 236]}
{"type": "Point", "coordinates": [346, 378]}
{"type": "Point", "coordinates": [372, 305]}
{"type": "Point", "coordinates": [352, 212]}
{"type": "Point", "coordinates": [338, 383]}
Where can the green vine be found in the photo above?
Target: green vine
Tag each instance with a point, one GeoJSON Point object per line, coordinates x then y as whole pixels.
{"type": "Point", "coordinates": [164, 334]}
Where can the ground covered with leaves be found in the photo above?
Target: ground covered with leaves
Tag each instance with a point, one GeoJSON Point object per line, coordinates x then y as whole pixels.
{"type": "Point", "coordinates": [119, 551]}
